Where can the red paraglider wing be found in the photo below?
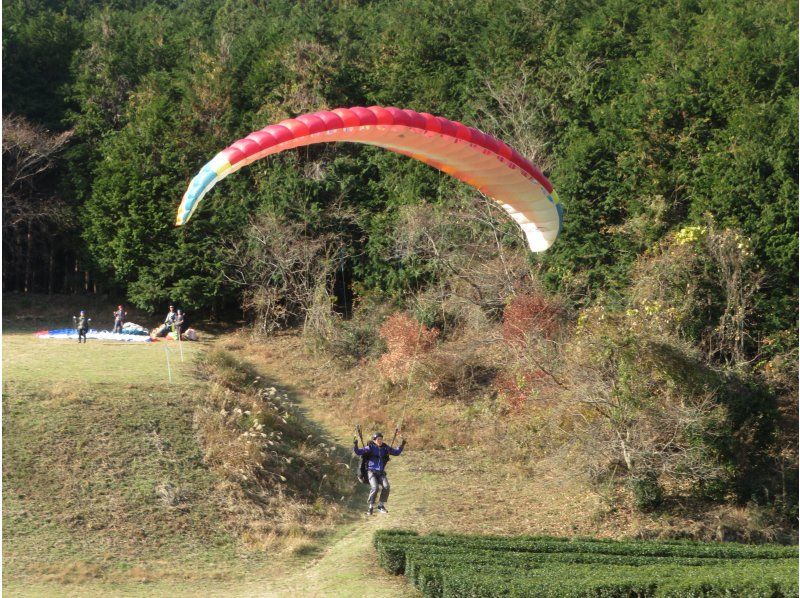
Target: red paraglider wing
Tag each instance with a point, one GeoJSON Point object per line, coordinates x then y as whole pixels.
{"type": "Point", "coordinates": [466, 153]}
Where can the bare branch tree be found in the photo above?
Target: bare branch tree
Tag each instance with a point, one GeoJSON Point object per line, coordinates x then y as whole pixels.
{"type": "Point", "coordinates": [518, 117]}
{"type": "Point", "coordinates": [28, 152]}
{"type": "Point", "coordinates": [467, 248]}
{"type": "Point", "coordinates": [284, 270]}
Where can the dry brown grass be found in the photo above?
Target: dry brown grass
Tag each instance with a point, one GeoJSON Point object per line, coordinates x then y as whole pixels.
{"type": "Point", "coordinates": [472, 471]}
{"type": "Point", "coordinates": [77, 573]}
{"type": "Point", "coordinates": [281, 481]}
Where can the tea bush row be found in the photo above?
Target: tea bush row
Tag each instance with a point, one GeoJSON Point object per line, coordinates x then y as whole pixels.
{"type": "Point", "coordinates": [467, 566]}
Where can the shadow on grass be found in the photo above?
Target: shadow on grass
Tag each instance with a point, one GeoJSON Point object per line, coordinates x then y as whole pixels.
{"type": "Point", "coordinates": [357, 497]}
{"type": "Point", "coordinates": [354, 495]}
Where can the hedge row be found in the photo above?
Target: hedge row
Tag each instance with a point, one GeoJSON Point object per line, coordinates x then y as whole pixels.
{"type": "Point", "coordinates": [582, 545]}
{"type": "Point", "coordinates": [529, 558]}
{"type": "Point", "coordinates": [555, 579]}
{"type": "Point", "coordinates": [477, 566]}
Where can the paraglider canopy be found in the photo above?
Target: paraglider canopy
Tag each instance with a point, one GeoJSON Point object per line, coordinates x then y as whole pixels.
{"type": "Point", "coordinates": [466, 153]}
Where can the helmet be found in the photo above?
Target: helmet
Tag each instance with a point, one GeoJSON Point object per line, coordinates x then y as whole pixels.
{"type": "Point", "coordinates": [377, 435]}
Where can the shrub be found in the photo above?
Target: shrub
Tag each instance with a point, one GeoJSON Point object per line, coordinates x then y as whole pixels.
{"type": "Point", "coordinates": [647, 492]}
{"type": "Point", "coordinates": [407, 341]}
{"type": "Point", "coordinates": [700, 283]}
{"type": "Point", "coordinates": [286, 271]}
{"type": "Point", "coordinates": [354, 341]}
{"type": "Point", "coordinates": [454, 374]}
{"type": "Point", "coordinates": [457, 566]}
{"type": "Point", "coordinates": [436, 308]}
{"type": "Point", "coordinates": [515, 387]}
{"type": "Point", "coordinates": [530, 313]}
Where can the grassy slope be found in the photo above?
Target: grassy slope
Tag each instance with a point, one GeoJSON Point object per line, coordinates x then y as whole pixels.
{"type": "Point", "coordinates": [431, 489]}
{"type": "Point", "coordinates": [449, 490]}
{"type": "Point", "coordinates": [95, 442]}
{"type": "Point", "coordinates": [92, 432]}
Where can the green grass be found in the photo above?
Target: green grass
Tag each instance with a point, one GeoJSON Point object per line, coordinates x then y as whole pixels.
{"type": "Point", "coordinates": [459, 565]}
{"type": "Point", "coordinates": [92, 435]}
{"type": "Point", "coordinates": [27, 359]}
{"type": "Point", "coordinates": [103, 479]}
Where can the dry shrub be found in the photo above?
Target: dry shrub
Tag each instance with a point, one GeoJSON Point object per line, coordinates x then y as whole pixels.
{"type": "Point", "coordinates": [320, 319]}
{"type": "Point", "coordinates": [457, 374]}
{"type": "Point", "coordinates": [356, 340]}
{"type": "Point", "coordinates": [407, 342]}
{"type": "Point", "coordinates": [650, 409]}
{"type": "Point", "coordinates": [437, 307]}
{"type": "Point", "coordinates": [781, 375]}
{"type": "Point", "coordinates": [613, 401]}
{"type": "Point", "coordinates": [515, 388]}
{"type": "Point", "coordinates": [530, 313]}
{"type": "Point", "coordinates": [533, 331]}
{"type": "Point", "coordinates": [700, 283]}
{"type": "Point", "coordinates": [493, 282]}
{"type": "Point", "coordinates": [467, 247]}
{"type": "Point", "coordinates": [286, 271]}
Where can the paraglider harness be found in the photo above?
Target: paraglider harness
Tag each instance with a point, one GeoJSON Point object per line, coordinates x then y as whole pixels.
{"type": "Point", "coordinates": [363, 473]}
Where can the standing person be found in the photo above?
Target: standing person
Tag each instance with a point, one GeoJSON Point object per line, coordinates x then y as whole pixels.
{"type": "Point", "coordinates": [177, 324]}
{"type": "Point", "coordinates": [82, 324]}
{"type": "Point", "coordinates": [119, 318]}
{"type": "Point", "coordinates": [170, 319]}
{"type": "Point", "coordinates": [378, 454]}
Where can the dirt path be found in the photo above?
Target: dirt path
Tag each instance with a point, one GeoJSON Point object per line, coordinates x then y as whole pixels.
{"type": "Point", "coordinates": [348, 565]}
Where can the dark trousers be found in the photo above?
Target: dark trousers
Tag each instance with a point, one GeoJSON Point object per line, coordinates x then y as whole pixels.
{"type": "Point", "coordinates": [82, 334]}
{"type": "Point", "coordinates": [378, 479]}
{"type": "Point", "coordinates": [117, 326]}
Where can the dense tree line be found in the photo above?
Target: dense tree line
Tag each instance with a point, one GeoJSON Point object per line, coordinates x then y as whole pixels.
{"type": "Point", "coordinates": [648, 117]}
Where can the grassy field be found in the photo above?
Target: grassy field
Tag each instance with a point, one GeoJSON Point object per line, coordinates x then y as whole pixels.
{"type": "Point", "coordinates": [105, 491]}
{"type": "Point", "coordinates": [102, 478]}
{"type": "Point", "coordinates": [104, 487]}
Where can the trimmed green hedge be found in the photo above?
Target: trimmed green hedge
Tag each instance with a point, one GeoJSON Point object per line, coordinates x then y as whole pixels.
{"type": "Point", "coordinates": [476, 566]}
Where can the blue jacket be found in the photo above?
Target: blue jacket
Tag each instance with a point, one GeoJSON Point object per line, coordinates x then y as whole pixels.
{"type": "Point", "coordinates": [377, 455]}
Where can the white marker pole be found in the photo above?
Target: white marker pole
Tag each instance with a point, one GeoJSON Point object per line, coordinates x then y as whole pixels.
{"type": "Point", "coordinates": [169, 370]}
{"type": "Point", "coordinates": [180, 346]}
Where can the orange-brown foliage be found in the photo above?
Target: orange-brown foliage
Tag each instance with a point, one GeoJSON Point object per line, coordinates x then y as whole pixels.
{"type": "Point", "coordinates": [515, 389]}
{"type": "Point", "coordinates": [530, 313]}
{"type": "Point", "coordinates": [407, 340]}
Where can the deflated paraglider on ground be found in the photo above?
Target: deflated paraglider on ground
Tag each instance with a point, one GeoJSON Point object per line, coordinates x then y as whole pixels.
{"type": "Point", "coordinates": [466, 153]}
{"type": "Point", "coordinates": [103, 335]}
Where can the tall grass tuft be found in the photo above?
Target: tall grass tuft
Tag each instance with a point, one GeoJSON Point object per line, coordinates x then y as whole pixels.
{"type": "Point", "coordinates": [281, 481]}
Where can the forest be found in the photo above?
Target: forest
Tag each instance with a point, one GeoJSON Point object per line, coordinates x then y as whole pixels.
{"type": "Point", "coordinates": [660, 330]}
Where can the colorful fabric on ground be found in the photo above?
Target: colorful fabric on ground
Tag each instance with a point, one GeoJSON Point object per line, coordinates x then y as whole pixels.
{"type": "Point", "coordinates": [103, 335]}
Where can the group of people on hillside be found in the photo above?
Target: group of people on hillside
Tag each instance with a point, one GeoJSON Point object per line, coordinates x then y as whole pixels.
{"type": "Point", "coordinates": [174, 321]}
